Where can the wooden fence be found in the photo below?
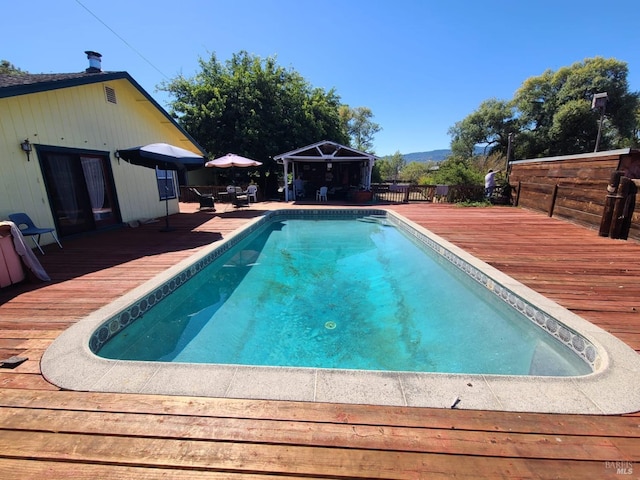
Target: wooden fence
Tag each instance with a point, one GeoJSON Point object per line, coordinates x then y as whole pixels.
{"type": "Point", "coordinates": [575, 188]}
{"type": "Point", "coordinates": [380, 193]}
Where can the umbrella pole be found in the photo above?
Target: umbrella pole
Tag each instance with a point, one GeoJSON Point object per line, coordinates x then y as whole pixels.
{"type": "Point", "coordinates": [166, 228]}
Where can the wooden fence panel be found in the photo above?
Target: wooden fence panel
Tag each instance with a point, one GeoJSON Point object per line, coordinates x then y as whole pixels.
{"type": "Point", "coordinates": [571, 188]}
{"type": "Point", "coordinates": [578, 216]}
{"type": "Point", "coordinates": [581, 199]}
{"type": "Point", "coordinates": [535, 196]}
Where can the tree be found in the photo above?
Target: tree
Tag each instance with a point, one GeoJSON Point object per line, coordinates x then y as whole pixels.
{"type": "Point", "coordinates": [380, 171]}
{"type": "Point", "coordinates": [7, 68]}
{"type": "Point", "coordinates": [556, 114]}
{"type": "Point", "coordinates": [415, 172]}
{"type": "Point", "coordinates": [360, 127]}
{"type": "Point", "coordinates": [396, 163]}
{"type": "Point", "coordinates": [388, 168]}
{"type": "Point", "coordinates": [490, 125]}
{"type": "Point", "coordinates": [457, 170]}
{"type": "Point", "coordinates": [635, 136]}
{"type": "Point", "coordinates": [551, 114]}
{"type": "Point", "coordinates": [253, 107]}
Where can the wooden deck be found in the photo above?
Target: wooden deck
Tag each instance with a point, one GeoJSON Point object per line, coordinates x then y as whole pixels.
{"type": "Point", "coordinates": [49, 433]}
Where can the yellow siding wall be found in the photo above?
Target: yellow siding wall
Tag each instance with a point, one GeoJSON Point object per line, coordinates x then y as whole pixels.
{"type": "Point", "coordinates": [80, 117]}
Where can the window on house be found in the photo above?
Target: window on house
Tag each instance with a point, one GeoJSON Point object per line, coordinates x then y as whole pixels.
{"type": "Point", "coordinates": [166, 183]}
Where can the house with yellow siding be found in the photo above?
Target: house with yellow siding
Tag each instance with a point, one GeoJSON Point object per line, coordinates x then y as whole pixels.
{"type": "Point", "coordinates": [59, 134]}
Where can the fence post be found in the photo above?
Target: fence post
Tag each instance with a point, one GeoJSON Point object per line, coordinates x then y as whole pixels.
{"type": "Point", "coordinates": [621, 208]}
{"type": "Point", "coordinates": [554, 195]}
{"type": "Point", "coordinates": [607, 214]}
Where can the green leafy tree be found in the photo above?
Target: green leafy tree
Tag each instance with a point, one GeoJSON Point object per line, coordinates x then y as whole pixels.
{"type": "Point", "coordinates": [7, 68]}
{"type": "Point", "coordinates": [396, 164]}
{"type": "Point", "coordinates": [253, 107]}
{"type": "Point", "coordinates": [556, 114]}
{"type": "Point", "coordinates": [551, 114]}
{"type": "Point", "coordinates": [388, 168]}
{"type": "Point", "coordinates": [489, 125]}
{"type": "Point", "coordinates": [381, 171]}
{"type": "Point", "coordinates": [361, 129]}
{"type": "Point", "coordinates": [415, 172]}
{"type": "Point", "coordinates": [634, 141]}
{"type": "Point", "coordinates": [457, 170]}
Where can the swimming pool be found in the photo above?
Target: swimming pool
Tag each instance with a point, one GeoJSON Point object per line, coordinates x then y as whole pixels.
{"type": "Point", "coordinates": [343, 292]}
{"type": "Point", "coordinates": [502, 392]}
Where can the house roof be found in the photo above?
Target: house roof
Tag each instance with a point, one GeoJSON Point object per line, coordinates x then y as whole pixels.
{"type": "Point", "coordinates": [12, 85]}
{"type": "Point", "coordinates": [325, 151]}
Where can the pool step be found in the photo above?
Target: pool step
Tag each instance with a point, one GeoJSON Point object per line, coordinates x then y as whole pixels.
{"type": "Point", "coordinates": [381, 219]}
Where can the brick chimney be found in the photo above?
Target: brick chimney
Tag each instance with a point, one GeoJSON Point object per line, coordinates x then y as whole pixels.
{"type": "Point", "coordinates": [95, 64]}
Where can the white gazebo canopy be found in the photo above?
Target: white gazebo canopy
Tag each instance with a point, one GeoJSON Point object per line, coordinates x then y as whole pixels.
{"type": "Point", "coordinates": [317, 161]}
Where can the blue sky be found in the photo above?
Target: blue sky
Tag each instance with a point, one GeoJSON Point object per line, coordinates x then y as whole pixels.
{"type": "Point", "coordinates": [419, 65]}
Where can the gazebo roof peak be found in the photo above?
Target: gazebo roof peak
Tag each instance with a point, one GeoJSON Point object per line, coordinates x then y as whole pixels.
{"type": "Point", "coordinates": [325, 151]}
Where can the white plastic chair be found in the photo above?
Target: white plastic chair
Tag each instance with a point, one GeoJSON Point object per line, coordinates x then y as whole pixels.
{"type": "Point", "coordinates": [321, 195]}
{"type": "Point", "coordinates": [252, 193]}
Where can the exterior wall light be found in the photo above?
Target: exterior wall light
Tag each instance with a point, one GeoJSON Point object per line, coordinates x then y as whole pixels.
{"type": "Point", "coordinates": [26, 148]}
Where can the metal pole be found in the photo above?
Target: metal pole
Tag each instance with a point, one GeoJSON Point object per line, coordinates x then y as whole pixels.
{"type": "Point", "coordinates": [166, 228]}
{"type": "Point", "coordinates": [599, 129]}
{"type": "Point", "coordinates": [509, 142]}
{"type": "Point", "coordinates": [599, 100]}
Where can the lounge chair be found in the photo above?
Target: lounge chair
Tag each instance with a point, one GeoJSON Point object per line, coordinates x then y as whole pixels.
{"type": "Point", "coordinates": [206, 200]}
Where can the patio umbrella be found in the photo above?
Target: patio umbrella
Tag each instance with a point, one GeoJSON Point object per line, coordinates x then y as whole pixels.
{"type": "Point", "coordinates": [165, 157]}
{"type": "Point", "coordinates": [232, 160]}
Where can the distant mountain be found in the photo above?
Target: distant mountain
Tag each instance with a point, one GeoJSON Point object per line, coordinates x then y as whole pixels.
{"type": "Point", "coordinates": [434, 155]}
{"type": "Point", "coordinates": [430, 156]}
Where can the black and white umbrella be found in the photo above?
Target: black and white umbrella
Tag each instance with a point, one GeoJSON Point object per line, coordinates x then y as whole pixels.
{"type": "Point", "coordinates": [164, 157]}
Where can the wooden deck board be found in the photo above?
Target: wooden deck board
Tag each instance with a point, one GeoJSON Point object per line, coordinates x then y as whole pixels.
{"type": "Point", "coordinates": [274, 459]}
{"type": "Point", "coordinates": [323, 413]}
{"type": "Point", "coordinates": [39, 469]}
{"type": "Point", "coordinates": [295, 433]}
{"type": "Point", "coordinates": [46, 433]}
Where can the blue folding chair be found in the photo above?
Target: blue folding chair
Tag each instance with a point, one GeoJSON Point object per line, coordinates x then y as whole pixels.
{"type": "Point", "coordinates": [30, 230]}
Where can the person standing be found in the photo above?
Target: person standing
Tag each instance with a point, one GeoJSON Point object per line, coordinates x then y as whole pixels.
{"type": "Point", "coordinates": [490, 183]}
{"type": "Point", "coordinates": [298, 187]}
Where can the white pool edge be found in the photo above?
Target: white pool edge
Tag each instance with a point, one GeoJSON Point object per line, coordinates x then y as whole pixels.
{"type": "Point", "coordinates": [614, 387]}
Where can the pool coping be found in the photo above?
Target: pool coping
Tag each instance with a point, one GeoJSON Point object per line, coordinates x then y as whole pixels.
{"type": "Point", "coordinates": [613, 388]}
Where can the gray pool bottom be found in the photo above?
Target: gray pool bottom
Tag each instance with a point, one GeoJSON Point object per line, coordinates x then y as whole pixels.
{"type": "Point", "coordinates": [613, 388]}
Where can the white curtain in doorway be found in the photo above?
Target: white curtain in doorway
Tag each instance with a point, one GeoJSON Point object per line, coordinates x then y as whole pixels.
{"type": "Point", "coordinates": [92, 168]}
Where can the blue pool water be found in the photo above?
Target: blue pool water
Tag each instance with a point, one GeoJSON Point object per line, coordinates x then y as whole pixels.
{"type": "Point", "coordinates": [336, 293]}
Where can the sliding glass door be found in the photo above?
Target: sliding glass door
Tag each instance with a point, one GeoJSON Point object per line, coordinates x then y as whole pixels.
{"type": "Point", "coordinates": [81, 189]}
